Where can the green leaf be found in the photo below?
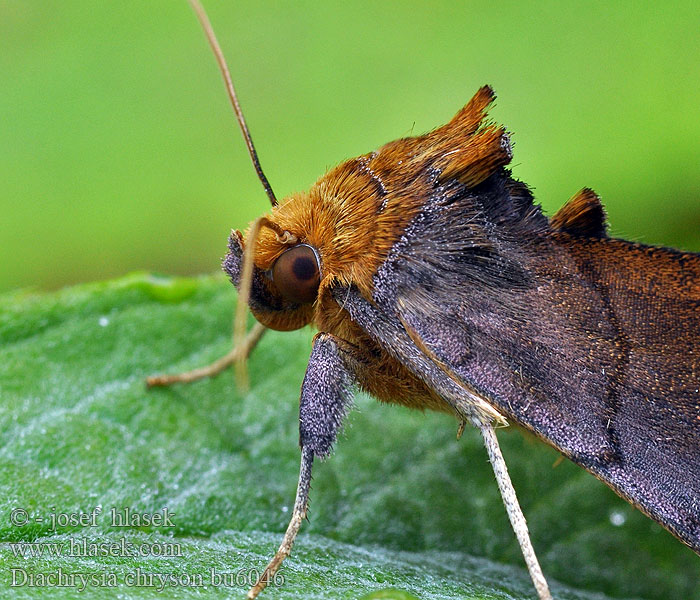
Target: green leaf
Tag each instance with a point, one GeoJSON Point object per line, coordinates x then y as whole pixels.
{"type": "Point", "coordinates": [401, 510]}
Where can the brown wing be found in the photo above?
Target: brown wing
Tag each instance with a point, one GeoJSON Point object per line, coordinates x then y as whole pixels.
{"type": "Point", "coordinates": [590, 342]}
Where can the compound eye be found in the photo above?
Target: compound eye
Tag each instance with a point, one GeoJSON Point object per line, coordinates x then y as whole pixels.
{"type": "Point", "coordinates": [296, 274]}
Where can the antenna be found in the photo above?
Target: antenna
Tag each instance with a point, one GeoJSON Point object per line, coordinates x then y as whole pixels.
{"type": "Point", "coordinates": [213, 42]}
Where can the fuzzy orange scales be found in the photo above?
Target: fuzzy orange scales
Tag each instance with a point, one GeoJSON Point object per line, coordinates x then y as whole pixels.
{"type": "Point", "coordinates": [355, 213]}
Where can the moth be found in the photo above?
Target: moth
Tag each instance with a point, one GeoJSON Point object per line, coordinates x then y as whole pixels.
{"type": "Point", "coordinates": [435, 281]}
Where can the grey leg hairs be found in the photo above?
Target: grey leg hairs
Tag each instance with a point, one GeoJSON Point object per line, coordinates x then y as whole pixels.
{"type": "Point", "coordinates": [326, 396]}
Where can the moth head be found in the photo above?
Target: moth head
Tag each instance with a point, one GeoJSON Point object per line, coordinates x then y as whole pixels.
{"type": "Point", "coordinates": [283, 277]}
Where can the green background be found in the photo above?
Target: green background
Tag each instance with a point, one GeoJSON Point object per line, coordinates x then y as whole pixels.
{"type": "Point", "coordinates": [118, 150]}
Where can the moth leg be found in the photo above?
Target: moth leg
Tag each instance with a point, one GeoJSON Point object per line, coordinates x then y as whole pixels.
{"type": "Point", "coordinates": [326, 396]}
{"type": "Point", "coordinates": [515, 513]}
{"type": "Point", "coordinates": [237, 353]}
{"type": "Point", "coordinates": [460, 428]}
{"type": "Point", "coordinates": [298, 515]}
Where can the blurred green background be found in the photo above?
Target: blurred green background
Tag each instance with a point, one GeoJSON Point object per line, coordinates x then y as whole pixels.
{"type": "Point", "coordinates": [119, 150]}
